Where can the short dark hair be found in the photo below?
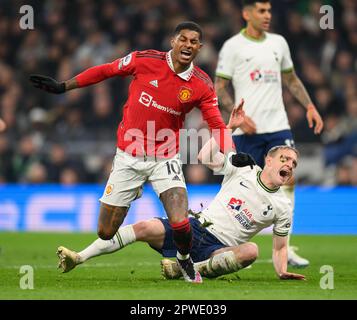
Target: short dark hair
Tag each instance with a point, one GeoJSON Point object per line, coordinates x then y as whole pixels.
{"type": "Point", "coordinates": [189, 25]}
{"type": "Point", "coordinates": [246, 3]}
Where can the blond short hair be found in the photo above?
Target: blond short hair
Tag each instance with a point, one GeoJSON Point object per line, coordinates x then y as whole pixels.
{"type": "Point", "coordinates": [275, 149]}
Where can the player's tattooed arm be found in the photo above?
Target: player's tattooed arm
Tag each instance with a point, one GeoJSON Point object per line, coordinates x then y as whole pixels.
{"type": "Point", "coordinates": [296, 87]}
{"type": "Point", "coordinates": [224, 97]}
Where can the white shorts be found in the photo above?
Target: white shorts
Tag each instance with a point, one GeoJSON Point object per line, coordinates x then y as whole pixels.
{"type": "Point", "coordinates": [130, 173]}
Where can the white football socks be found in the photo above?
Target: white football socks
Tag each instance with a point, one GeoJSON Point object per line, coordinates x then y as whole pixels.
{"type": "Point", "coordinates": [182, 256]}
{"type": "Point", "coordinates": [122, 238]}
{"type": "Point", "coordinates": [218, 265]}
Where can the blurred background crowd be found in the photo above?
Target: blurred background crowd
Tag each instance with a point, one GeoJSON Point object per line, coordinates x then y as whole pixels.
{"type": "Point", "coordinates": [71, 138]}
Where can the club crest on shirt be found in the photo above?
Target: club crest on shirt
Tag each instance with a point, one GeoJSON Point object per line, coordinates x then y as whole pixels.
{"type": "Point", "coordinates": [267, 210]}
{"type": "Point", "coordinates": [127, 59]}
{"type": "Point", "coordinates": [185, 94]}
{"type": "Point", "coordinates": [109, 189]}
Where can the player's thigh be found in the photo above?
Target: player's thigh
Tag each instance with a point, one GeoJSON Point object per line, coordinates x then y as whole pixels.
{"type": "Point", "coordinates": [204, 243]}
{"type": "Point", "coordinates": [254, 144]}
{"type": "Point", "coordinates": [151, 231]}
{"type": "Point", "coordinates": [166, 247]}
{"type": "Point", "coordinates": [169, 184]}
{"type": "Point", "coordinates": [125, 182]}
{"type": "Point", "coordinates": [167, 174]}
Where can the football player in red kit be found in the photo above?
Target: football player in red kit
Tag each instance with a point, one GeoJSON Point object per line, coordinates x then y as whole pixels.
{"type": "Point", "coordinates": [165, 87]}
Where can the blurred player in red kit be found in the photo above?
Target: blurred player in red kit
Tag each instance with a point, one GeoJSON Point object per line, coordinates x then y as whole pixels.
{"type": "Point", "coordinates": [165, 87]}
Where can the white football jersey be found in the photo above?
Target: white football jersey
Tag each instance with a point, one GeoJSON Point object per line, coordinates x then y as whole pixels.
{"type": "Point", "coordinates": [244, 206]}
{"type": "Point", "coordinates": [254, 67]}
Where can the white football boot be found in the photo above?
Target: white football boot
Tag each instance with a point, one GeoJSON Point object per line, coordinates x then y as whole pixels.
{"type": "Point", "coordinates": [68, 259]}
{"type": "Point", "coordinates": [170, 269]}
{"type": "Point", "coordinates": [295, 260]}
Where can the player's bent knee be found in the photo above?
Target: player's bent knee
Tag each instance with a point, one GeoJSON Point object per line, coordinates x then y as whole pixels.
{"type": "Point", "coordinates": [253, 250]}
{"type": "Point", "coordinates": [249, 253]}
{"type": "Point", "coordinates": [142, 229]}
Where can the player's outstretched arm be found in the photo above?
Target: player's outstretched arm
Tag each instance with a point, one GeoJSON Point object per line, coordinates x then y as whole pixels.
{"type": "Point", "coordinates": [296, 87]}
{"type": "Point", "coordinates": [225, 99]}
{"type": "Point", "coordinates": [280, 259]}
{"type": "Point", "coordinates": [47, 84]}
{"type": "Point", "coordinates": [88, 77]}
{"type": "Point", "coordinates": [210, 154]}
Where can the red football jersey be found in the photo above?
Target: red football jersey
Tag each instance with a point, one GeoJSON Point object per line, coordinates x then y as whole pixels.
{"type": "Point", "coordinates": [158, 101]}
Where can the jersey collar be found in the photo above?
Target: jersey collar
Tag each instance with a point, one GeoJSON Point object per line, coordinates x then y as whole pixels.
{"type": "Point", "coordinates": [243, 32]}
{"type": "Point", "coordinates": [260, 182]}
{"type": "Point", "coordinates": [186, 75]}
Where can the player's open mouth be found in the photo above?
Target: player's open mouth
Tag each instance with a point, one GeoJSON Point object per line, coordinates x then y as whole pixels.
{"type": "Point", "coordinates": [284, 173]}
{"type": "Point", "coordinates": [186, 54]}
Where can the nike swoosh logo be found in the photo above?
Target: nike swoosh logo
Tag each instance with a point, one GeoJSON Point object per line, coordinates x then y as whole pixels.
{"type": "Point", "coordinates": [243, 185]}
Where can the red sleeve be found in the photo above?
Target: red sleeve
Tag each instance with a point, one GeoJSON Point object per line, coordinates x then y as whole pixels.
{"type": "Point", "coordinates": [211, 114]}
{"type": "Point", "coordinates": [120, 67]}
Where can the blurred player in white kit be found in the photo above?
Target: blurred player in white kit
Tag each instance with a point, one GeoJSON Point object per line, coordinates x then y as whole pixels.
{"type": "Point", "coordinates": [257, 63]}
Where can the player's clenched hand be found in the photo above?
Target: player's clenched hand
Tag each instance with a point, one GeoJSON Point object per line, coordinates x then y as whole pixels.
{"type": "Point", "coordinates": [291, 276]}
{"type": "Point", "coordinates": [242, 159]}
{"type": "Point", "coordinates": [248, 126]}
{"type": "Point", "coordinates": [237, 116]}
{"type": "Point", "coordinates": [312, 116]}
{"type": "Point", "coordinates": [48, 84]}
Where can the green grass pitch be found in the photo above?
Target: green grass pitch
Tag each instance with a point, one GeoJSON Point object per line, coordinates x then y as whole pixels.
{"type": "Point", "coordinates": [134, 272]}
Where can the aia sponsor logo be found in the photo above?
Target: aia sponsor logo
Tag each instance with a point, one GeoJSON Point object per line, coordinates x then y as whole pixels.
{"type": "Point", "coordinates": [185, 94]}
{"type": "Point", "coordinates": [235, 204]}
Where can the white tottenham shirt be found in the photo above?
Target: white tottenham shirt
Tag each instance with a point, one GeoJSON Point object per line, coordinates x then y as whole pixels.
{"type": "Point", "coordinates": [254, 67]}
{"type": "Point", "coordinates": [244, 206]}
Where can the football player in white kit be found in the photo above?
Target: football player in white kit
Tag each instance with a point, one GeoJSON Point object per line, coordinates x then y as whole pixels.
{"type": "Point", "coordinates": [256, 63]}
{"type": "Point", "coordinates": [250, 200]}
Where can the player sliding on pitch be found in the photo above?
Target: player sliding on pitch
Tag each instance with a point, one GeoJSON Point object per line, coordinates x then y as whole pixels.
{"type": "Point", "coordinates": [250, 200]}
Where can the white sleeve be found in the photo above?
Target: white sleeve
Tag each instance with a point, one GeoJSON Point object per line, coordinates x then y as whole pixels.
{"type": "Point", "coordinates": [226, 62]}
{"type": "Point", "coordinates": [286, 62]}
{"type": "Point", "coordinates": [282, 224]}
{"type": "Point", "coordinates": [227, 168]}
